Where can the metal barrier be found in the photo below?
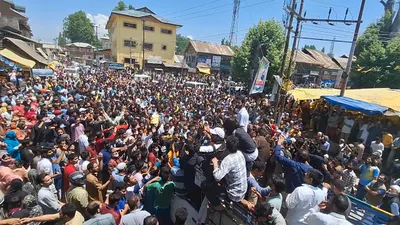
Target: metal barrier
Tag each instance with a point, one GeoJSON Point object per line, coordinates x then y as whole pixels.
{"type": "Point", "coordinates": [363, 213]}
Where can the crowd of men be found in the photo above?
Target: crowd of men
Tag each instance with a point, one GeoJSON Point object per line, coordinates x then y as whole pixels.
{"type": "Point", "coordinates": [110, 149]}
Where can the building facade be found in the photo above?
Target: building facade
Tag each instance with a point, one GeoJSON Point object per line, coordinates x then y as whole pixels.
{"type": "Point", "coordinates": [13, 18]}
{"type": "Point", "coordinates": [80, 51]}
{"type": "Point", "coordinates": [105, 43]}
{"type": "Point", "coordinates": [213, 57]}
{"type": "Point", "coordinates": [133, 31]}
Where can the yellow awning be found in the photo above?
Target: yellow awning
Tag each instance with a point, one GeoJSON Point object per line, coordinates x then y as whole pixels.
{"type": "Point", "coordinates": [204, 70]}
{"type": "Point", "coordinates": [381, 96]}
{"type": "Point", "coordinates": [17, 59]}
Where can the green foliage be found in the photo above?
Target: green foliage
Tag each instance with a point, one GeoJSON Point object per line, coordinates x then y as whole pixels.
{"type": "Point", "coordinates": [323, 49]}
{"type": "Point", "coordinates": [225, 42]}
{"type": "Point", "coordinates": [181, 44]}
{"type": "Point", "coordinates": [61, 39]}
{"type": "Point", "coordinates": [310, 47]}
{"type": "Point", "coordinates": [377, 58]}
{"type": "Point", "coordinates": [130, 7]}
{"type": "Point", "coordinates": [266, 38]}
{"type": "Point", "coordinates": [121, 6]}
{"type": "Point", "coordinates": [78, 28]}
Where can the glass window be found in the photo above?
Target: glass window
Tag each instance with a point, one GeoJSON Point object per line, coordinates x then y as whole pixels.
{"type": "Point", "coordinates": [130, 25]}
{"type": "Point", "coordinates": [148, 47]}
{"type": "Point", "coordinates": [166, 31]}
{"type": "Point", "coordinates": [148, 28]}
{"type": "Point", "coordinates": [129, 43]}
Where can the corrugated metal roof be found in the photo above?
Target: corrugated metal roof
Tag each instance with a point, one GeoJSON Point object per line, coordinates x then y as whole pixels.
{"type": "Point", "coordinates": [140, 14]}
{"type": "Point", "coordinates": [324, 59]}
{"type": "Point", "coordinates": [342, 62]}
{"type": "Point", "coordinates": [302, 57]}
{"type": "Point", "coordinates": [178, 58]}
{"type": "Point", "coordinates": [81, 45]}
{"type": "Point", "coordinates": [28, 50]}
{"type": "Point", "coordinates": [205, 47]}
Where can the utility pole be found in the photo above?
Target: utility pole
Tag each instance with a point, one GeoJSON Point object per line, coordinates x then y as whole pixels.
{"type": "Point", "coordinates": [296, 34]}
{"type": "Point", "coordinates": [130, 53]}
{"type": "Point", "coordinates": [353, 47]}
{"type": "Point", "coordinates": [282, 74]}
{"type": "Point", "coordinates": [143, 46]}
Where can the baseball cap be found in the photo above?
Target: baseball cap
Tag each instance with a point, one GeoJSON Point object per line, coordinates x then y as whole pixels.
{"type": "Point", "coordinates": [121, 166]}
{"type": "Point", "coordinates": [218, 131]}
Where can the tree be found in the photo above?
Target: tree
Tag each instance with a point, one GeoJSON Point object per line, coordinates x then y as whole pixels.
{"type": "Point", "coordinates": [310, 47]}
{"type": "Point", "coordinates": [130, 7]}
{"type": "Point", "coordinates": [225, 42]}
{"type": "Point", "coordinates": [121, 6]}
{"type": "Point", "coordinates": [378, 58]}
{"type": "Point", "coordinates": [61, 39]}
{"type": "Point", "coordinates": [181, 44]}
{"type": "Point", "coordinates": [267, 38]}
{"type": "Point", "coordinates": [323, 49]}
{"type": "Point", "coordinates": [78, 28]}
{"type": "Point", "coordinates": [394, 25]}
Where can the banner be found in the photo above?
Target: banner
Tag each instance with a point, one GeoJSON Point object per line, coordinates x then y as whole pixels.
{"type": "Point", "coordinates": [216, 62]}
{"type": "Point", "coordinates": [261, 77]}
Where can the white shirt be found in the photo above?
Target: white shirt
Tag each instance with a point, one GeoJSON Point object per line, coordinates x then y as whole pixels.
{"type": "Point", "coordinates": [82, 166]}
{"type": "Point", "coordinates": [327, 219]}
{"type": "Point", "coordinates": [365, 132]}
{"type": "Point", "coordinates": [44, 166]}
{"type": "Point", "coordinates": [301, 201]}
{"type": "Point", "coordinates": [243, 118]}
{"type": "Point", "coordinates": [83, 141]}
{"type": "Point", "coordinates": [348, 124]}
{"type": "Point", "coordinates": [377, 148]}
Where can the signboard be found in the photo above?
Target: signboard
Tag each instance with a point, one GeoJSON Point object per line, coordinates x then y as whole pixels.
{"type": "Point", "coordinates": [205, 60]}
{"type": "Point", "coordinates": [261, 77]}
{"type": "Point", "coordinates": [154, 60]}
{"type": "Point", "coordinates": [216, 61]}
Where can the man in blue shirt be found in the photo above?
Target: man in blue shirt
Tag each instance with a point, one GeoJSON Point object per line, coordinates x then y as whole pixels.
{"type": "Point", "coordinates": [294, 169]}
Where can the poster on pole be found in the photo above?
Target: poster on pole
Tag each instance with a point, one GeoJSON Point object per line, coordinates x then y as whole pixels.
{"type": "Point", "coordinates": [261, 77]}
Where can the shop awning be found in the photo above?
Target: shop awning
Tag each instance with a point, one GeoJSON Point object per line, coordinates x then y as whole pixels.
{"type": "Point", "coordinates": [356, 105]}
{"type": "Point", "coordinates": [16, 58]}
{"type": "Point", "coordinates": [28, 50]}
{"type": "Point", "coordinates": [204, 70]}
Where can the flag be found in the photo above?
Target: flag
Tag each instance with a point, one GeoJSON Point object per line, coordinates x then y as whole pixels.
{"type": "Point", "coordinates": [261, 77]}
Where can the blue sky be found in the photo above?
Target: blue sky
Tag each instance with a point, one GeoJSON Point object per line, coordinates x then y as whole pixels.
{"type": "Point", "coordinates": [207, 20]}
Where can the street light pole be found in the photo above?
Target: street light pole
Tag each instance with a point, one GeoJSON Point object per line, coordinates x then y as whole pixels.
{"type": "Point", "coordinates": [353, 47]}
{"type": "Point", "coordinates": [143, 46]}
{"type": "Point", "coordinates": [130, 53]}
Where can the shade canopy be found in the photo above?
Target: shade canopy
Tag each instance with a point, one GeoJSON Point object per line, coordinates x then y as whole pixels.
{"type": "Point", "coordinates": [356, 105]}
{"type": "Point", "coordinates": [17, 59]}
{"type": "Point", "coordinates": [204, 70]}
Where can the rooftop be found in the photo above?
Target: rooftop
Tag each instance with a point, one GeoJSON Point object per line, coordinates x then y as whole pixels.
{"type": "Point", "coordinates": [80, 45]}
{"type": "Point", "coordinates": [141, 13]}
{"type": "Point", "coordinates": [302, 57]}
{"type": "Point", "coordinates": [17, 7]}
{"type": "Point", "coordinates": [322, 58]}
{"type": "Point", "coordinates": [209, 48]}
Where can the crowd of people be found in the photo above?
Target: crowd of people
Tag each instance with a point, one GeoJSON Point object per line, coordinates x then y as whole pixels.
{"type": "Point", "coordinates": [109, 149]}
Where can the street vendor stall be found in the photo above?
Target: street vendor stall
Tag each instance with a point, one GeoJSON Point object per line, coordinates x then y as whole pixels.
{"type": "Point", "coordinates": [11, 61]}
{"type": "Point", "coordinates": [356, 105]}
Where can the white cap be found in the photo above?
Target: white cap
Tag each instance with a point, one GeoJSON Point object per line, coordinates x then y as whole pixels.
{"type": "Point", "coordinates": [121, 166]}
{"type": "Point", "coordinates": [218, 131]}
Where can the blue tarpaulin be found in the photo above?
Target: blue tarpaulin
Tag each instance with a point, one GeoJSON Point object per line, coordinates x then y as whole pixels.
{"type": "Point", "coordinates": [42, 72]}
{"type": "Point", "coordinates": [356, 105]}
{"type": "Point", "coordinates": [116, 66]}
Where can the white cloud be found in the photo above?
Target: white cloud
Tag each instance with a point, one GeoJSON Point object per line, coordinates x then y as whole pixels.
{"type": "Point", "coordinates": [190, 37]}
{"type": "Point", "coordinates": [101, 21]}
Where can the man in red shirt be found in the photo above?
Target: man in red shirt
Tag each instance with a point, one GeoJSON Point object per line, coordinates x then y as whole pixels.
{"type": "Point", "coordinates": [69, 168]}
